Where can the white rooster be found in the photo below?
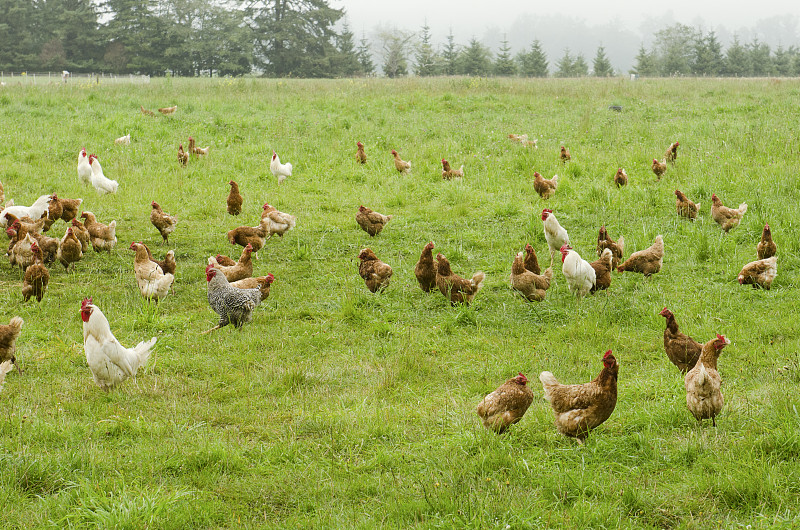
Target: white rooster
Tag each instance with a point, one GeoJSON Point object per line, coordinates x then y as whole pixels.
{"type": "Point", "coordinates": [554, 233]}
{"type": "Point", "coordinates": [34, 211]}
{"type": "Point", "coordinates": [281, 171]}
{"type": "Point", "coordinates": [100, 182]}
{"type": "Point", "coordinates": [84, 169]}
{"type": "Point", "coordinates": [108, 360]}
{"type": "Point", "coordinates": [579, 273]}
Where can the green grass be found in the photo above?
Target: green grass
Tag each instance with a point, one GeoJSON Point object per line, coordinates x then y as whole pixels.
{"type": "Point", "coordinates": [339, 408]}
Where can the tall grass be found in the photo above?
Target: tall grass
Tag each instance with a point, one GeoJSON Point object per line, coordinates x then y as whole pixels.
{"type": "Point", "coordinates": [339, 408]}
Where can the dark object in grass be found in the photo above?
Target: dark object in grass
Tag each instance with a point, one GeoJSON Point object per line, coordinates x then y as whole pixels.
{"type": "Point", "coordinates": [616, 108]}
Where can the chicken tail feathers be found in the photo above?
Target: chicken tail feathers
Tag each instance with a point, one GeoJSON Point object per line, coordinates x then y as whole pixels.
{"type": "Point", "coordinates": [477, 279]}
{"type": "Point", "coordinates": [742, 208]}
{"type": "Point", "coordinates": [549, 382]}
{"type": "Point", "coordinates": [16, 322]}
{"type": "Point", "coordinates": [143, 350]}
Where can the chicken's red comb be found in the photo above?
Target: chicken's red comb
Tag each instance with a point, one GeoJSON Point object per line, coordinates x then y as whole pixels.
{"type": "Point", "coordinates": [249, 247]}
{"type": "Point", "coordinates": [270, 277]}
{"type": "Point", "coordinates": [565, 247]}
{"type": "Point", "coordinates": [656, 161]}
{"type": "Point", "coordinates": [86, 302]}
{"type": "Point", "coordinates": [548, 210]}
{"type": "Point", "coordinates": [721, 337]}
{"type": "Point", "coordinates": [766, 226]}
{"type": "Point", "coordinates": [607, 354]}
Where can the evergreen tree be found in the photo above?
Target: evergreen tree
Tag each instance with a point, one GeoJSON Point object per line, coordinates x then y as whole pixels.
{"type": "Point", "coordinates": [760, 59]}
{"type": "Point", "coordinates": [475, 59]}
{"type": "Point", "coordinates": [580, 68]}
{"type": "Point", "coordinates": [504, 64]}
{"type": "Point", "coordinates": [707, 56]}
{"type": "Point", "coordinates": [346, 63]}
{"type": "Point", "coordinates": [450, 55]}
{"type": "Point", "coordinates": [425, 61]}
{"type": "Point", "coordinates": [394, 50]}
{"type": "Point", "coordinates": [645, 63]}
{"type": "Point", "coordinates": [675, 46]}
{"type": "Point", "coordinates": [294, 37]}
{"type": "Point", "coordinates": [737, 60]}
{"type": "Point", "coordinates": [601, 66]}
{"type": "Point", "coordinates": [18, 44]}
{"type": "Point", "coordinates": [533, 63]}
{"type": "Point", "coordinates": [782, 62]}
{"type": "Point", "coordinates": [565, 67]}
{"type": "Point", "coordinates": [365, 57]}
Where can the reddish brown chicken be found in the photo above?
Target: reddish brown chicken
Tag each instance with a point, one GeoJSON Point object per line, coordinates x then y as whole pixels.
{"type": "Point", "coordinates": [235, 199]}
{"type": "Point", "coordinates": [703, 395]}
{"type": "Point", "coordinates": [262, 283]}
{"type": "Point", "coordinates": [647, 261]}
{"type": "Point", "coordinates": [621, 178]}
{"type": "Point", "coordinates": [183, 156]}
{"type": "Point", "coordinates": [565, 156]}
{"type": "Point", "coordinates": [544, 187]}
{"type": "Point", "coordinates": [8, 339]}
{"type": "Point", "coordinates": [81, 233]}
{"type": "Point", "coordinates": [361, 156]}
{"type": "Point", "coordinates": [617, 248]}
{"type": "Point", "coordinates": [371, 222]}
{"type": "Point", "coordinates": [532, 286]}
{"type": "Point", "coordinates": [168, 264]}
{"type": "Point", "coordinates": [726, 218]}
{"type": "Point", "coordinates": [399, 164]}
{"type": "Point", "coordinates": [766, 248]}
{"type": "Point", "coordinates": [69, 249]}
{"type": "Point", "coordinates": [425, 269]}
{"type": "Point", "coordinates": [36, 276]}
{"type": "Point", "coordinates": [255, 236]}
{"type": "Point", "coordinates": [602, 271]}
{"type": "Point", "coordinates": [449, 173]}
{"type": "Point", "coordinates": [581, 408]}
{"type": "Point", "coordinates": [531, 261]}
{"type": "Point", "coordinates": [682, 350]}
{"type": "Point", "coordinates": [659, 168]}
{"type": "Point", "coordinates": [759, 273]}
{"type": "Point", "coordinates": [672, 153]}
{"type": "Point", "coordinates": [376, 273]}
{"type": "Point", "coordinates": [685, 206]}
{"type": "Point", "coordinates": [164, 223]}
{"type": "Point", "coordinates": [506, 405]}
{"type": "Point", "coordinates": [238, 271]}
{"type": "Point", "coordinates": [453, 286]}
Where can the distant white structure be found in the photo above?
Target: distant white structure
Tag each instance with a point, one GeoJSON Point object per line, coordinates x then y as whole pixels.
{"type": "Point", "coordinates": [64, 75]}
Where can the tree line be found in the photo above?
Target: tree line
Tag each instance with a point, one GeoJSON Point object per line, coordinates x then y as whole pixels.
{"type": "Point", "coordinates": [307, 38]}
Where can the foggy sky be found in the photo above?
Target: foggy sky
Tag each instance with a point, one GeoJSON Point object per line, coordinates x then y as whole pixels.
{"type": "Point", "coordinates": [580, 25]}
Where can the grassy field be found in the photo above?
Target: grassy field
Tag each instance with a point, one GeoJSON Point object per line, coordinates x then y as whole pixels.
{"type": "Point", "coordinates": [339, 408]}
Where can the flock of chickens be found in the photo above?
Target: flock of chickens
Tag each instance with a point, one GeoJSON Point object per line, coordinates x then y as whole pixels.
{"type": "Point", "coordinates": [233, 292]}
{"type": "Point", "coordinates": [578, 408]}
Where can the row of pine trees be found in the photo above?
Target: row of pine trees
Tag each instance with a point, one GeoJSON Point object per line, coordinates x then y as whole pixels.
{"type": "Point", "coordinates": [299, 38]}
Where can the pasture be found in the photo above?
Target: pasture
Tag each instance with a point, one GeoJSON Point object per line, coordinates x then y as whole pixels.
{"type": "Point", "coordinates": [337, 407]}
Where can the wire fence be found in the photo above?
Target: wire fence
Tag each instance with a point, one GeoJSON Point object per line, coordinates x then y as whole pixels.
{"type": "Point", "coordinates": [46, 78]}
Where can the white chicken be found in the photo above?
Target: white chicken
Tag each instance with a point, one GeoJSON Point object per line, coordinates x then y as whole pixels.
{"type": "Point", "coordinates": [554, 233]}
{"type": "Point", "coordinates": [123, 140]}
{"type": "Point", "coordinates": [100, 182]}
{"type": "Point", "coordinates": [153, 282]}
{"type": "Point", "coordinates": [281, 171]}
{"type": "Point", "coordinates": [84, 169]}
{"type": "Point", "coordinates": [34, 211]}
{"type": "Point", "coordinates": [276, 221]}
{"type": "Point", "coordinates": [579, 273]}
{"type": "Point", "coordinates": [109, 361]}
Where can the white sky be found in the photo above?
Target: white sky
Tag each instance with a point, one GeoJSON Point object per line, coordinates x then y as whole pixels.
{"type": "Point", "coordinates": [475, 16]}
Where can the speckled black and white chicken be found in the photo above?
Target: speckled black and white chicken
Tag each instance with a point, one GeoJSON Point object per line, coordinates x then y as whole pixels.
{"type": "Point", "coordinates": [234, 306]}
